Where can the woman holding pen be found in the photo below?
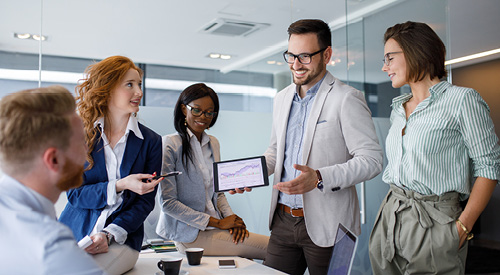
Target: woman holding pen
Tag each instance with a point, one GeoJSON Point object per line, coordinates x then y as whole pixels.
{"type": "Point", "coordinates": [118, 191]}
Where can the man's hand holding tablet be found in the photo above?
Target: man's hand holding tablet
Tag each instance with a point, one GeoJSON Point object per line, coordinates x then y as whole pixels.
{"type": "Point", "coordinates": [240, 191]}
{"type": "Point", "coordinates": [239, 175]}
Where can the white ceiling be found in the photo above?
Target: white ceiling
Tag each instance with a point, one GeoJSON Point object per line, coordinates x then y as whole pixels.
{"type": "Point", "coordinates": [167, 32]}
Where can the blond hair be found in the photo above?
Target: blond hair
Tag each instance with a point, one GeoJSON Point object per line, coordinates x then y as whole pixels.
{"type": "Point", "coordinates": [32, 121]}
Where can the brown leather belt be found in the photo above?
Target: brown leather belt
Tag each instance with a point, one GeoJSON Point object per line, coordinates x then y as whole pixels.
{"type": "Point", "coordinates": [297, 212]}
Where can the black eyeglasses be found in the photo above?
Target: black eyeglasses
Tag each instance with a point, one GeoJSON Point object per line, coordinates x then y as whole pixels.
{"type": "Point", "coordinates": [304, 58]}
{"type": "Point", "coordinates": [197, 112]}
{"type": "Point", "coordinates": [387, 60]}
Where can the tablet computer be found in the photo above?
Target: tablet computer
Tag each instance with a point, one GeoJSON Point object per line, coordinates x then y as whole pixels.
{"type": "Point", "coordinates": [240, 173]}
{"type": "Point", "coordinates": [343, 253]}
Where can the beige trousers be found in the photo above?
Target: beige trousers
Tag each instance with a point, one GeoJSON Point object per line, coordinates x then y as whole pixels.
{"type": "Point", "coordinates": [217, 242]}
{"type": "Point", "coordinates": [118, 260]}
{"type": "Point", "coordinates": [416, 234]}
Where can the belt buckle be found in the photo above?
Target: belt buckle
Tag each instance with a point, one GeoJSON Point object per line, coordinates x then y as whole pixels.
{"type": "Point", "coordinates": [291, 212]}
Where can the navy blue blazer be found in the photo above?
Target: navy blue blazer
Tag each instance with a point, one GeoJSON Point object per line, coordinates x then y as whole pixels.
{"type": "Point", "coordinates": [86, 203]}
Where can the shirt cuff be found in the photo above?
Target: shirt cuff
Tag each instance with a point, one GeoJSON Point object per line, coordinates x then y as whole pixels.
{"type": "Point", "coordinates": [207, 217]}
{"type": "Point", "coordinates": [491, 173]}
{"type": "Point", "coordinates": [112, 195]}
{"type": "Point", "coordinates": [119, 234]}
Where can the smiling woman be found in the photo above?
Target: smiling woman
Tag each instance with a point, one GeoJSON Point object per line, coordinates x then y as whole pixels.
{"type": "Point", "coordinates": [441, 149]}
{"type": "Point", "coordinates": [113, 201]}
{"type": "Point", "coordinates": [193, 215]}
{"type": "Point", "coordinates": [127, 94]}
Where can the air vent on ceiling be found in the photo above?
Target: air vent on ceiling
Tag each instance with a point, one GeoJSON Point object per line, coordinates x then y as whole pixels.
{"type": "Point", "coordinates": [230, 27]}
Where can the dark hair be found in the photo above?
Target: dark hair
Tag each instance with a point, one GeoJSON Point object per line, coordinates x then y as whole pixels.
{"type": "Point", "coordinates": [189, 94]}
{"type": "Point", "coordinates": [319, 27]}
{"type": "Point", "coordinates": [423, 49]}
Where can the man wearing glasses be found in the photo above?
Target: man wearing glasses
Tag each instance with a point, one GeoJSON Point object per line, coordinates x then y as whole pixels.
{"type": "Point", "coordinates": [323, 142]}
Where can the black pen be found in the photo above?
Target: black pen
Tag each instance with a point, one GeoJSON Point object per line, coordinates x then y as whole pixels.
{"type": "Point", "coordinates": [175, 173]}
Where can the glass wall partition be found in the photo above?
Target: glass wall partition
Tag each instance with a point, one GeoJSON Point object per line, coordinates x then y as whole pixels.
{"type": "Point", "coordinates": [238, 90]}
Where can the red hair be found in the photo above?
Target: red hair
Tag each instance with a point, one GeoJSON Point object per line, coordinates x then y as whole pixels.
{"type": "Point", "coordinates": [94, 92]}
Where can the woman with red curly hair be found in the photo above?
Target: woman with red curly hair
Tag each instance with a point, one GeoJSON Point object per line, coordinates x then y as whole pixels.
{"type": "Point", "coordinates": [114, 200]}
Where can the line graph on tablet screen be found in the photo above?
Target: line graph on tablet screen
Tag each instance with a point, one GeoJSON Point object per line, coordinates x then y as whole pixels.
{"type": "Point", "coordinates": [239, 174]}
{"type": "Point", "coordinates": [247, 170]}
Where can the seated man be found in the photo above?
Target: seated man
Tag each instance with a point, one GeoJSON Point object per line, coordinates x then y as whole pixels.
{"type": "Point", "coordinates": [42, 153]}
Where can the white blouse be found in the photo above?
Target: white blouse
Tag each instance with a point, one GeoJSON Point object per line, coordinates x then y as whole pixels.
{"type": "Point", "coordinates": [113, 158]}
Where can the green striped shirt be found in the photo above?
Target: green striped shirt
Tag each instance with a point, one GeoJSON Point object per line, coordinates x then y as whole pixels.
{"type": "Point", "coordinates": [449, 140]}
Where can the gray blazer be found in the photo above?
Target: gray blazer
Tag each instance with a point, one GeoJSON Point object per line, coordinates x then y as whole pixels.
{"type": "Point", "coordinates": [340, 141]}
{"type": "Point", "coordinates": [182, 197]}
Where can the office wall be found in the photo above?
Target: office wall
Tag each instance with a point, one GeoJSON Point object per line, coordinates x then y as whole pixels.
{"type": "Point", "coordinates": [484, 78]}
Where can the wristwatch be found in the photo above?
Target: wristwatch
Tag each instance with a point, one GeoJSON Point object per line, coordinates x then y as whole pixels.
{"type": "Point", "coordinates": [319, 184]}
{"type": "Point", "coordinates": [109, 236]}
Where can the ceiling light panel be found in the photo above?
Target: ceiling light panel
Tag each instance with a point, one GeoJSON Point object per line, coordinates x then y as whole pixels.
{"type": "Point", "coordinates": [30, 36]}
{"type": "Point", "coordinates": [231, 27]}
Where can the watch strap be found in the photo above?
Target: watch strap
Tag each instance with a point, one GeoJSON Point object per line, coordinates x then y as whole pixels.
{"type": "Point", "coordinates": [109, 236]}
{"type": "Point", "coordinates": [319, 184]}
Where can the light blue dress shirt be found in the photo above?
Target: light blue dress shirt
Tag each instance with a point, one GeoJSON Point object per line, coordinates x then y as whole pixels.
{"type": "Point", "coordinates": [297, 120]}
{"type": "Point", "coordinates": [33, 241]}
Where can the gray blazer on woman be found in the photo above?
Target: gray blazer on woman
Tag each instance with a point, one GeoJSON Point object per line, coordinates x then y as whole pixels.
{"type": "Point", "coordinates": [182, 197]}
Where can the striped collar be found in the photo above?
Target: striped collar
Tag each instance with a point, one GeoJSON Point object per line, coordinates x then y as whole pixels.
{"type": "Point", "coordinates": [435, 90]}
